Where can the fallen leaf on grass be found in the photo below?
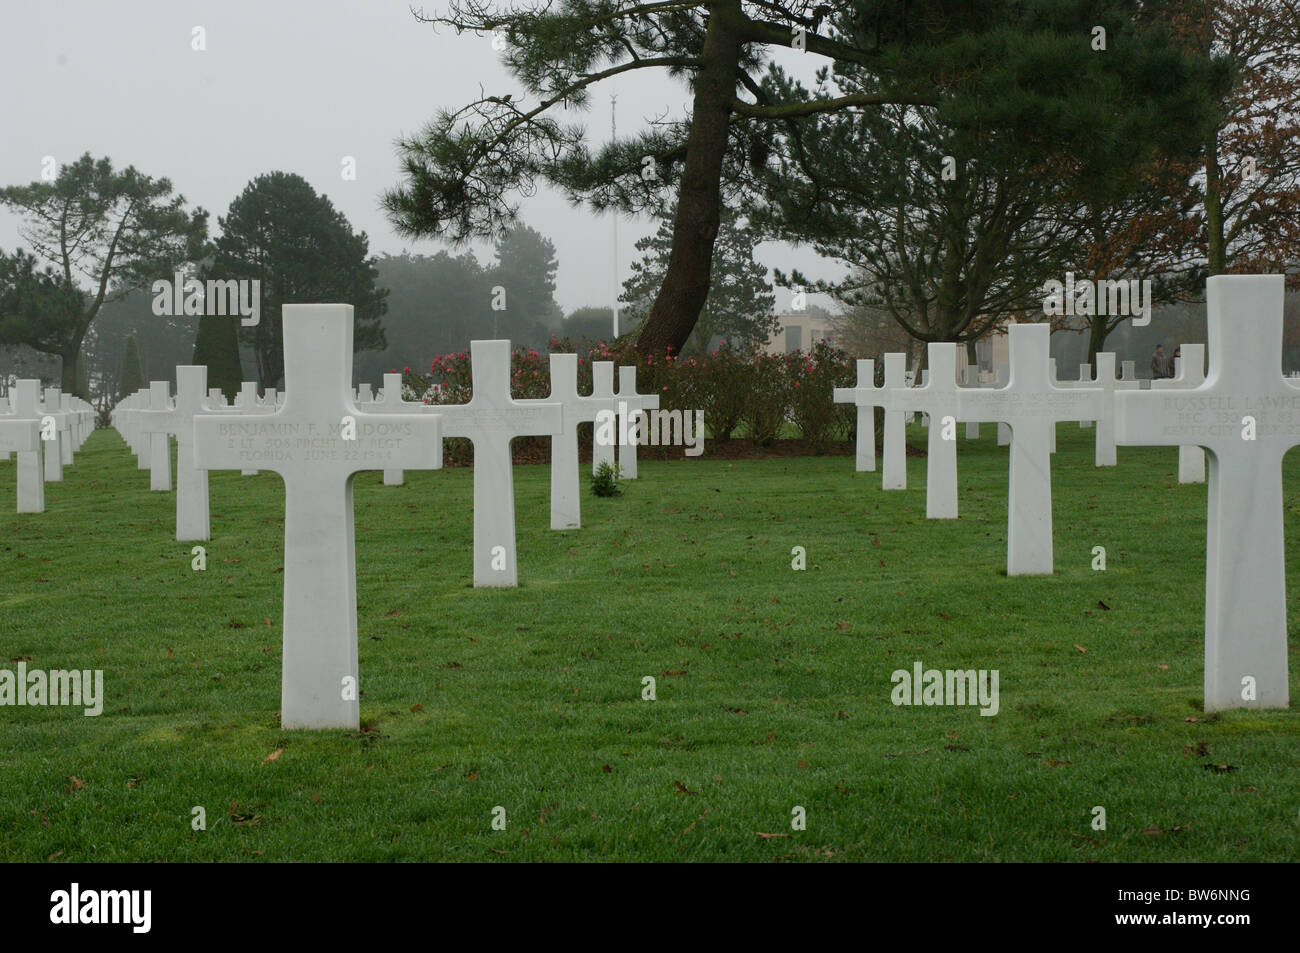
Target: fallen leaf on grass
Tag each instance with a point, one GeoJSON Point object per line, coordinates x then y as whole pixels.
{"type": "Point", "coordinates": [77, 784]}
{"type": "Point", "coordinates": [1103, 605]}
{"type": "Point", "coordinates": [273, 756]}
{"type": "Point", "coordinates": [417, 708]}
{"type": "Point", "coordinates": [1053, 763]}
{"type": "Point", "coordinates": [1219, 768]}
{"type": "Point", "coordinates": [769, 836]}
{"type": "Point", "coordinates": [1082, 649]}
{"type": "Point", "coordinates": [691, 826]}
{"type": "Point", "coordinates": [683, 789]}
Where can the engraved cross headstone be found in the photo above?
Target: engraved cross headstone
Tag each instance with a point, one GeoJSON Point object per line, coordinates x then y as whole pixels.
{"type": "Point", "coordinates": [304, 441]}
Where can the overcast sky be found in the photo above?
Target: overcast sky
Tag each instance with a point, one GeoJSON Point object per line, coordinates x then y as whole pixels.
{"type": "Point", "coordinates": [296, 86]}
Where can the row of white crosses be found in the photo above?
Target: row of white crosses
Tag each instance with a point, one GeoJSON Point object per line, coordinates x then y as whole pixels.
{"type": "Point", "coordinates": [1244, 414]}
{"type": "Point", "coordinates": [1028, 402]}
{"type": "Point", "coordinates": [45, 431]}
{"type": "Point", "coordinates": [305, 441]}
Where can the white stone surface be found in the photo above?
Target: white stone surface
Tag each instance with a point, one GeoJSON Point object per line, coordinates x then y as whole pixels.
{"type": "Point", "coordinates": [391, 401]}
{"type": "Point", "coordinates": [1245, 555]}
{"type": "Point", "coordinates": [1000, 378]}
{"type": "Point", "coordinates": [160, 446]}
{"type": "Point", "coordinates": [20, 434]}
{"type": "Point", "coordinates": [246, 401]}
{"type": "Point", "coordinates": [894, 456]}
{"type": "Point", "coordinates": [177, 421]}
{"type": "Point", "coordinates": [302, 441]}
{"type": "Point", "coordinates": [1032, 404]}
{"type": "Point", "coordinates": [937, 398]}
{"type": "Point", "coordinates": [867, 396]}
{"type": "Point", "coordinates": [52, 449]}
{"type": "Point", "coordinates": [491, 420]}
{"type": "Point", "coordinates": [970, 377]}
{"type": "Point", "coordinates": [602, 388]}
{"type": "Point", "coordinates": [1189, 373]}
{"type": "Point", "coordinates": [634, 406]}
{"type": "Point", "coordinates": [566, 494]}
{"type": "Point", "coordinates": [31, 478]}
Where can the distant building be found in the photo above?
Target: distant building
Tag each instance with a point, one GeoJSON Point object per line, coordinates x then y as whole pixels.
{"type": "Point", "coordinates": [798, 332]}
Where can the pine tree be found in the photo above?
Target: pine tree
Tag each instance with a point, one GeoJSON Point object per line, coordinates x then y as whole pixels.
{"type": "Point", "coordinates": [132, 376]}
{"type": "Point", "coordinates": [216, 346]}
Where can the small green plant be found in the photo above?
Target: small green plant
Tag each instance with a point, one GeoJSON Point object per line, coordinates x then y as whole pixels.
{"type": "Point", "coordinates": [604, 482]}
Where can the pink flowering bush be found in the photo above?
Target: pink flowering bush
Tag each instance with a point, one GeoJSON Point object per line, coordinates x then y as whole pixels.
{"type": "Point", "coordinates": [733, 387]}
{"type": "Point", "coordinates": [812, 379]}
{"type": "Point", "coordinates": [767, 397]}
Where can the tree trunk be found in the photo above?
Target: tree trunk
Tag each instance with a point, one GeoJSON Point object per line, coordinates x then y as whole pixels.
{"type": "Point", "coordinates": [1216, 246]}
{"type": "Point", "coordinates": [685, 288]}
{"type": "Point", "coordinates": [1096, 338]}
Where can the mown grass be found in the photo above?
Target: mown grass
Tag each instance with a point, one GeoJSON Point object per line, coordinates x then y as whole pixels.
{"type": "Point", "coordinates": [773, 685]}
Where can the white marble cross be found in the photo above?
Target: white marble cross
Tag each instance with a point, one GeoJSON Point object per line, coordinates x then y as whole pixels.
{"type": "Point", "coordinates": [566, 496]}
{"type": "Point", "coordinates": [394, 403]}
{"type": "Point", "coordinates": [1104, 453]}
{"type": "Point", "coordinates": [491, 420]}
{"type": "Point", "coordinates": [1189, 373]}
{"type": "Point", "coordinates": [178, 421]}
{"type": "Point", "coordinates": [635, 406]}
{"type": "Point", "coordinates": [894, 456]}
{"type": "Point", "coordinates": [307, 442]}
{"type": "Point", "coordinates": [31, 478]}
{"type": "Point", "coordinates": [52, 449]}
{"type": "Point", "coordinates": [1247, 416]}
{"type": "Point", "coordinates": [1031, 404]}
{"type": "Point", "coordinates": [602, 388]}
{"type": "Point", "coordinates": [67, 447]}
{"type": "Point", "coordinates": [937, 398]}
{"type": "Point", "coordinates": [20, 433]}
{"type": "Point", "coordinates": [867, 396]}
{"type": "Point", "coordinates": [160, 443]}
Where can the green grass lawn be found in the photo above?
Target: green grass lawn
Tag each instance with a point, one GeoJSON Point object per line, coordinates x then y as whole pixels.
{"type": "Point", "coordinates": [773, 685]}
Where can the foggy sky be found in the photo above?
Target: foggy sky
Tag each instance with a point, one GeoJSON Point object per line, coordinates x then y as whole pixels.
{"type": "Point", "coordinates": [295, 86]}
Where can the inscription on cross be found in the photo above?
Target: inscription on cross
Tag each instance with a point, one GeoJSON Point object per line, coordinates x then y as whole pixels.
{"type": "Point", "coordinates": [1246, 416]}
{"type": "Point", "coordinates": [304, 441]}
